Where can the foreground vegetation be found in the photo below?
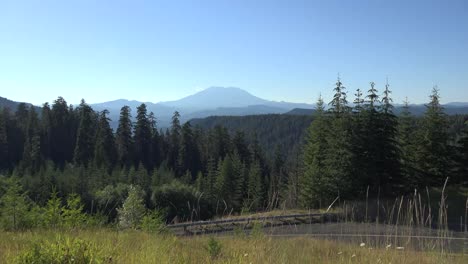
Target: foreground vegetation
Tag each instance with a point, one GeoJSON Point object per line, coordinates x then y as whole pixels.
{"type": "Point", "coordinates": [111, 246]}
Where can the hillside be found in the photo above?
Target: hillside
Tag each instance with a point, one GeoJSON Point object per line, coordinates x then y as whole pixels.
{"type": "Point", "coordinates": [272, 130]}
{"type": "Point", "coordinates": [12, 105]}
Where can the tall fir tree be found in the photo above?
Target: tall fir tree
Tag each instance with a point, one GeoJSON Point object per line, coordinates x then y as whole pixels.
{"type": "Point", "coordinates": [315, 181]}
{"type": "Point", "coordinates": [84, 148]}
{"type": "Point", "coordinates": [143, 138]}
{"type": "Point", "coordinates": [189, 154]}
{"type": "Point", "coordinates": [390, 168]}
{"type": "Point", "coordinates": [434, 150]}
{"type": "Point", "coordinates": [63, 140]}
{"type": "Point", "coordinates": [124, 139]}
{"type": "Point", "coordinates": [32, 157]}
{"type": "Point", "coordinates": [174, 143]}
{"type": "Point", "coordinates": [339, 153]}
{"type": "Point", "coordinates": [408, 146]}
{"type": "Point", "coordinates": [3, 143]}
{"type": "Point", "coordinates": [461, 167]}
{"type": "Point", "coordinates": [105, 148]}
{"type": "Point", "coordinates": [255, 187]}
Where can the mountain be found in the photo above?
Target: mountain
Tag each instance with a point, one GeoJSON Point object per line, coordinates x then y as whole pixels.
{"type": "Point", "coordinates": [227, 97]}
{"type": "Point", "coordinates": [12, 105]}
{"type": "Point", "coordinates": [213, 101]}
{"type": "Point", "coordinates": [215, 97]}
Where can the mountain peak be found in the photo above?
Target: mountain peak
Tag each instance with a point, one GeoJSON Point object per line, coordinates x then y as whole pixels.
{"type": "Point", "coordinates": [214, 97]}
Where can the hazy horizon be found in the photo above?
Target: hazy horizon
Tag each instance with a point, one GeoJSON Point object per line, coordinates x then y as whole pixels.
{"type": "Point", "coordinates": [277, 50]}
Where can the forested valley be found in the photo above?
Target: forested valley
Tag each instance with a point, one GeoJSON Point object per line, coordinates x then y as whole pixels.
{"type": "Point", "coordinates": [65, 165]}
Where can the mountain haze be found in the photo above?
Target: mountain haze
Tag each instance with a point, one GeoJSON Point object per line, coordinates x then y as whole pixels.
{"type": "Point", "coordinates": [213, 101]}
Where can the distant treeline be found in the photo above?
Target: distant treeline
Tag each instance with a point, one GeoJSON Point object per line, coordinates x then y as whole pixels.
{"type": "Point", "coordinates": [237, 164]}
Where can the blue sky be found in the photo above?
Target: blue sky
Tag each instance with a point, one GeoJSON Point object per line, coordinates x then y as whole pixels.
{"type": "Point", "coordinates": [278, 50]}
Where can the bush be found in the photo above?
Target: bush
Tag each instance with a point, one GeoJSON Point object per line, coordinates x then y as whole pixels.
{"type": "Point", "coordinates": [63, 250]}
{"type": "Point", "coordinates": [153, 221]}
{"type": "Point", "coordinates": [182, 201]}
{"type": "Point", "coordinates": [133, 209]}
{"type": "Point", "coordinates": [214, 247]}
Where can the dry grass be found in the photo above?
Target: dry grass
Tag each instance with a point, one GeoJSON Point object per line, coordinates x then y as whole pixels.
{"type": "Point", "coordinates": [140, 247]}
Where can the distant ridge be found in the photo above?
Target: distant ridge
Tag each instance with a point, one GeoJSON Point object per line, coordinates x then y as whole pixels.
{"type": "Point", "coordinates": [12, 105]}
{"type": "Point", "coordinates": [213, 101]}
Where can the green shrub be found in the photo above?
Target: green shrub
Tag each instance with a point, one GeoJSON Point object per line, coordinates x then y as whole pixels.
{"type": "Point", "coordinates": [153, 221]}
{"type": "Point", "coordinates": [214, 247]}
{"type": "Point", "coordinates": [257, 231]}
{"type": "Point", "coordinates": [63, 250]}
{"type": "Point", "coordinates": [133, 209]}
{"type": "Point", "coordinates": [182, 201]}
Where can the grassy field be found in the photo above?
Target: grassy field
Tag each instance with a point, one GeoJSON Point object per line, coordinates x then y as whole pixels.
{"type": "Point", "coordinates": [111, 246]}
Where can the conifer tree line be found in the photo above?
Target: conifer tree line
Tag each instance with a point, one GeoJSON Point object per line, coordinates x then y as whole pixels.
{"type": "Point", "coordinates": [65, 153]}
{"type": "Point", "coordinates": [352, 147]}
{"type": "Point", "coordinates": [189, 172]}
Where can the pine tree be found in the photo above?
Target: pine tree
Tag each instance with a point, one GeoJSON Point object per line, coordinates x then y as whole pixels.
{"type": "Point", "coordinates": [220, 142]}
{"type": "Point", "coordinates": [211, 180]}
{"type": "Point", "coordinates": [255, 187]}
{"type": "Point", "coordinates": [408, 147]}
{"type": "Point", "coordinates": [46, 135]}
{"type": "Point", "coordinates": [32, 158]}
{"type": "Point", "coordinates": [339, 153]}
{"type": "Point", "coordinates": [53, 214]}
{"type": "Point", "coordinates": [62, 143]}
{"type": "Point", "coordinates": [143, 139]}
{"type": "Point", "coordinates": [369, 158]}
{"type": "Point", "coordinates": [133, 209]}
{"type": "Point", "coordinates": [314, 183]}
{"type": "Point", "coordinates": [73, 215]}
{"type": "Point", "coordinates": [157, 142]}
{"type": "Point", "coordinates": [174, 143]}
{"type": "Point", "coordinates": [14, 206]}
{"type": "Point", "coordinates": [105, 150]}
{"type": "Point", "coordinates": [462, 157]}
{"type": "Point", "coordinates": [278, 179]}
{"type": "Point", "coordinates": [189, 154]}
{"type": "Point", "coordinates": [339, 103]}
{"type": "Point", "coordinates": [124, 140]}
{"type": "Point", "coordinates": [84, 148]}
{"type": "Point", "coordinates": [433, 156]}
{"type": "Point", "coordinates": [390, 168]}
{"type": "Point", "coordinates": [241, 146]}
{"type": "Point", "coordinates": [3, 143]}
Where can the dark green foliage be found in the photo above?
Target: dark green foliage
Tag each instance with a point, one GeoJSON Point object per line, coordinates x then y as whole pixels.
{"type": "Point", "coordinates": [255, 188]}
{"type": "Point", "coordinates": [315, 181]}
{"type": "Point", "coordinates": [434, 151]}
{"type": "Point", "coordinates": [189, 154]}
{"type": "Point", "coordinates": [3, 142]}
{"type": "Point", "coordinates": [223, 165]}
{"type": "Point", "coordinates": [143, 138]}
{"type": "Point", "coordinates": [63, 132]}
{"type": "Point", "coordinates": [105, 149]}
{"type": "Point", "coordinates": [124, 140]}
{"type": "Point", "coordinates": [339, 151]}
{"type": "Point", "coordinates": [84, 149]}
{"type": "Point", "coordinates": [181, 202]}
{"type": "Point", "coordinates": [408, 146]}
{"type": "Point", "coordinates": [462, 157]}
{"type": "Point", "coordinates": [14, 207]}
{"type": "Point", "coordinates": [214, 247]}
{"type": "Point", "coordinates": [63, 250]}
{"type": "Point", "coordinates": [174, 144]}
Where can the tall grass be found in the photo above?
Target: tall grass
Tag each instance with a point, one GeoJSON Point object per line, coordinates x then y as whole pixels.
{"type": "Point", "coordinates": [141, 247]}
